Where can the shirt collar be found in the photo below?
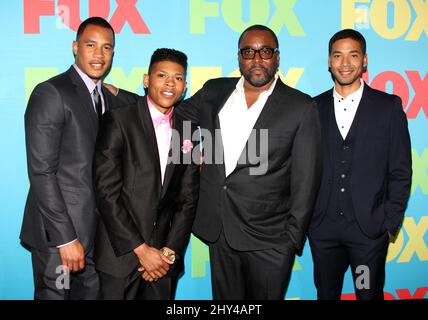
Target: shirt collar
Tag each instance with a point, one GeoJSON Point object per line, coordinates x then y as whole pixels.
{"type": "Point", "coordinates": [156, 115]}
{"type": "Point", "coordinates": [88, 81]}
{"type": "Point", "coordinates": [354, 96]}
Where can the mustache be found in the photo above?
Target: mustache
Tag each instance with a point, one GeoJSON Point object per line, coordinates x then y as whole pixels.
{"type": "Point", "coordinates": [256, 66]}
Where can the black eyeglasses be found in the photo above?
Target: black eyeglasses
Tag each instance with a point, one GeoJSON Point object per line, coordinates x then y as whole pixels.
{"type": "Point", "coordinates": [265, 53]}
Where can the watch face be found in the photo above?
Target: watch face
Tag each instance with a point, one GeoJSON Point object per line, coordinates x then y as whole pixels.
{"type": "Point", "coordinates": [170, 256]}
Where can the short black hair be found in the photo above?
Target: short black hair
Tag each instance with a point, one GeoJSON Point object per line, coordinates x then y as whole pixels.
{"type": "Point", "coordinates": [348, 34]}
{"type": "Point", "coordinates": [258, 27]}
{"type": "Point", "coordinates": [165, 54]}
{"type": "Point", "coordinates": [95, 21]}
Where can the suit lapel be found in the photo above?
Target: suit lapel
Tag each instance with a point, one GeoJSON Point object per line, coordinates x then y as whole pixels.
{"type": "Point", "coordinates": [218, 143]}
{"type": "Point", "coordinates": [363, 116]}
{"type": "Point", "coordinates": [169, 170]}
{"type": "Point", "coordinates": [106, 97]}
{"type": "Point", "coordinates": [266, 116]}
{"type": "Point", "coordinates": [268, 112]}
{"type": "Point", "coordinates": [328, 118]}
{"type": "Point", "coordinates": [85, 100]}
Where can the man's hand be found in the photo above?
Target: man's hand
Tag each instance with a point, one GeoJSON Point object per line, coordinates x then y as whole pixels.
{"type": "Point", "coordinates": [111, 88]}
{"type": "Point", "coordinates": [73, 256]}
{"type": "Point", "coordinates": [146, 275]}
{"type": "Point", "coordinates": [152, 262]}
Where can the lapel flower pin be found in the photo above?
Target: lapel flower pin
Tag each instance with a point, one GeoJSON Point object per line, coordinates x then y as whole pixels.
{"type": "Point", "coordinates": [187, 146]}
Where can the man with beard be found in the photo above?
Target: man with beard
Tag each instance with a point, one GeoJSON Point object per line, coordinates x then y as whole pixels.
{"type": "Point", "coordinates": [367, 175]}
{"type": "Point", "coordinates": [253, 210]}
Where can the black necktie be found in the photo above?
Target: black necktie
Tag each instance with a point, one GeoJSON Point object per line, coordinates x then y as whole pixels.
{"type": "Point", "coordinates": [97, 102]}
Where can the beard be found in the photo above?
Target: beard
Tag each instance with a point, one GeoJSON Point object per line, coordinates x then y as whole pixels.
{"type": "Point", "coordinates": [259, 81]}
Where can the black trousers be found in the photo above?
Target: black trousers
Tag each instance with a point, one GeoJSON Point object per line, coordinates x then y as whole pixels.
{"type": "Point", "coordinates": [254, 275]}
{"type": "Point", "coordinates": [338, 244]}
{"type": "Point", "coordinates": [134, 287]}
{"type": "Point", "coordinates": [50, 283]}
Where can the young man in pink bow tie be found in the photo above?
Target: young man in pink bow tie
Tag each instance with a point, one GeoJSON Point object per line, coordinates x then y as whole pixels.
{"type": "Point", "coordinates": [146, 201]}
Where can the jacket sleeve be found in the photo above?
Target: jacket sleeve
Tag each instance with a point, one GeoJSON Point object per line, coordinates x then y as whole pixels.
{"type": "Point", "coordinates": [44, 122]}
{"type": "Point", "coordinates": [181, 226]}
{"type": "Point", "coordinates": [125, 97]}
{"type": "Point", "coordinates": [306, 168]}
{"type": "Point", "coordinates": [121, 229]}
{"type": "Point", "coordinates": [189, 109]}
{"type": "Point", "coordinates": [399, 169]}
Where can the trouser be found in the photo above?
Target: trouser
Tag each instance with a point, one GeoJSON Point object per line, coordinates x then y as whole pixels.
{"type": "Point", "coordinates": [256, 275]}
{"type": "Point", "coordinates": [51, 283]}
{"type": "Point", "coordinates": [134, 287]}
{"type": "Point", "coordinates": [338, 244]}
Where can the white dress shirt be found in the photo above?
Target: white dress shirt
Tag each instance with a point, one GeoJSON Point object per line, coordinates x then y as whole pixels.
{"type": "Point", "coordinates": [237, 122]}
{"type": "Point", "coordinates": [346, 108]}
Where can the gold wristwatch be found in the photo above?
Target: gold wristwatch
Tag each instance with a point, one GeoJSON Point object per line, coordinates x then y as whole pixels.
{"type": "Point", "coordinates": [170, 255]}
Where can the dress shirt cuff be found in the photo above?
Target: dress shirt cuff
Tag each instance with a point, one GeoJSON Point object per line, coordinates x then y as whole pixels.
{"type": "Point", "coordinates": [65, 244]}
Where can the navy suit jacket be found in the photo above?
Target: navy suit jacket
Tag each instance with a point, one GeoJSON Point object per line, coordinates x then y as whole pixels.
{"type": "Point", "coordinates": [381, 168]}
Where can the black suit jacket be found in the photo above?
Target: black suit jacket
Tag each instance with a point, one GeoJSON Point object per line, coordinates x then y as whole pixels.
{"type": "Point", "coordinates": [134, 206]}
{"type": "Point", "coordinates": [259, 211]}
{"type": "Point", "coordinates": [61, 126]}
{"type": "Point", "coordinates": [381, 167]}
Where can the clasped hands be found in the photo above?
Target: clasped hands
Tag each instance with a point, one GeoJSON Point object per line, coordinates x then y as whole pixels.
{"type": "Point", "coordinates": [154, 265]}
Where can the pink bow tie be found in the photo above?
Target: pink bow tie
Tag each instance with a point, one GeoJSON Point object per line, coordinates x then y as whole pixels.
{"type": "Point", "coordinates": [162, 120]}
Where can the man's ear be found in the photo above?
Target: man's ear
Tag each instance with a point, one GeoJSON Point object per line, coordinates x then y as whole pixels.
{"type": "Point", "coordinates": [75, 47]}
{"type": "Point", "coordinates": [329, 64]}
{"type": "Point", "coordinates": [239, 57]}
{"type": "Point", "coordinates": [146, 81]}
{"type": "Point", "coordinates": [365, 61]}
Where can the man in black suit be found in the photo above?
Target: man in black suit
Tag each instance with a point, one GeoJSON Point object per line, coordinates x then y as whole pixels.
{"type": "Point", "coordinates": [61, 124]}
{"type": "Point", "coordinates": [366, 176]}
{"type": "Point", "coordinates": [146, 197]}
{"type": "Point", "coordinates": [254, 206]}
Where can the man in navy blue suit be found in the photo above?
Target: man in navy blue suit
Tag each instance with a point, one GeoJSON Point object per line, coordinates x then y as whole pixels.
{"type": "Point", "coordinates": [367, 173]}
